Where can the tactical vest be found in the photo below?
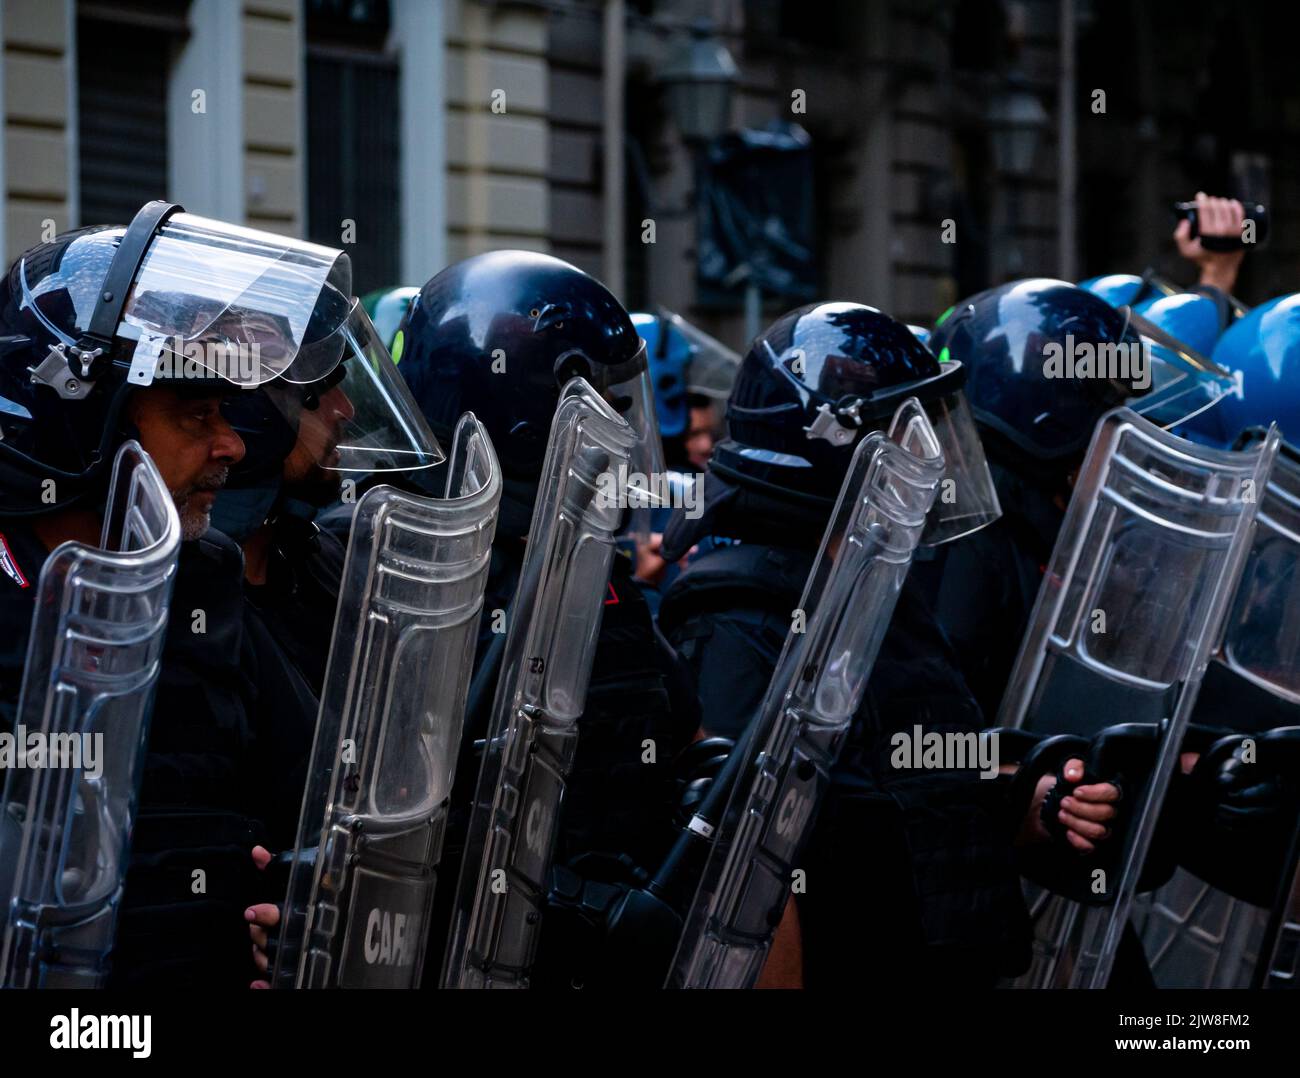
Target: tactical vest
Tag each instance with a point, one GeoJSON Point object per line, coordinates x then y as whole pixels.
{"type": "Point", "coordinates": [633, 712]}
{"type": "Point", "coordinates": [636, 710]}
{"type": "Point", "coordinates": [191, 874]}
{"type": "Point", "coordinates": [631, 728]}
{"type": "Point", "coordinates": [908, 872]}
{"type": "Point", "coordinates": [982, 589]}
{"type": "Point", "coordinates": [298, 602]}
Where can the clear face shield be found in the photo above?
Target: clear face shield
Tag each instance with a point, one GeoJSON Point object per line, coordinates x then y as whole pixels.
{"type": "Point", "coordinates": [255, 310]}
{"type": "Point", "coordinates": [1174, 382]}
{"type": "Point", "coordinates": [358, 420]}
{"type": "Point", "coordinates": [967, 499]}
{"type": "Point", "coordinates": [235, 302]}
{"type": "Point", "coordinates": [627, 390]}
{"type": "Point", "coordinates": [712, 367]}
{"type": "Point", "coordinates": [366, 419]}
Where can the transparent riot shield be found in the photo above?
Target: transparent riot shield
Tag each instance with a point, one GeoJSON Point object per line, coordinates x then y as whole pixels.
{"type": "Point", "coordinates": [1216, 923]}
{"type": "Point", "coordinates": [810, 702]}
{"type": "Point", "coordinates": [1283, 959]}
{"type": "Point", "coordinates": [92, 663]}
{"type": "Point", "coordinates": [1126, 620]}
{"type": "Point", "coordinates": [374, 812]}
{"type": "Point", "coordinates": [533, 734]}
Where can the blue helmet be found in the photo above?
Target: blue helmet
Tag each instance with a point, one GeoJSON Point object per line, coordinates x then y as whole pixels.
{"type": "Point", "coordinates": [1127, 289]}
{"type": "Point", "coordinates": [668, 353]}
{"type": "Point", "coordinates": [685, 362]}
{"type": "Point", "coordinates": [1192, 317]}
{"type": "Point", "coordinates": [1262, 349]}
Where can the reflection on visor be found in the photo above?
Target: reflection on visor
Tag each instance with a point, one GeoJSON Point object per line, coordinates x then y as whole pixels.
{"type": "Point", "coordinates": [712, 366]}
{"type": "Point", "coordinates": [643, 484]}
{"type": "Point", "coordinates": [1175, 350]}
{"type": "Point", "coordinates": [245, 304]}
{"type": "Point", "coordinates": [634, 401]}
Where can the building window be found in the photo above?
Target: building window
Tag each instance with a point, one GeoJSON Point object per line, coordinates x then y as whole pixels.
{"type": "Point", "coordinates": [353, 152]}
{"type": "Point", "coordinates": [124, 58]}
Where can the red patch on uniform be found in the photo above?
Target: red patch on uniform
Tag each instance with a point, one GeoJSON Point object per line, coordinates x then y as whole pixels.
{"type": "Point", "coordinates": [613, 599]}
{"type": "Point", "coordinates": [10, 564]}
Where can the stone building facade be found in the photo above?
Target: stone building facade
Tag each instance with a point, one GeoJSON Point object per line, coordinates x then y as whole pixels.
{"type": "Point", "coordinates": [421, 131]}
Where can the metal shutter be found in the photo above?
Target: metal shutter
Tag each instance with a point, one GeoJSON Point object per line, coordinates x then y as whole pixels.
{"type": "Point", "coordinates": [353, 162]}
{"type": "Point", "coordinates": [122, 118]}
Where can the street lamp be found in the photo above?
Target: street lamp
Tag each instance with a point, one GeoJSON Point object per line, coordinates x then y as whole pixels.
{"type": "Point", "coordinates": [700, 79]}
{"type": "Point", "coordinates": [1017, 120]}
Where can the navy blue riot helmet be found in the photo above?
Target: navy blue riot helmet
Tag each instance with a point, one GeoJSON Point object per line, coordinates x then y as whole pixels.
{"type": "Point", "coordinates": [44, 432]}
{"type": "Point", "coordinates": [1046, 359]}
{"type": "Point", "coordinates": [499, 334]}
{"type": "Point", "coordinates": [203, 308]}
{"type": "Point", "coordinates": [1000, 336]}
{"type": "Point", "coordinates": [823, 375]}
{"type": "Point", "coordinates": [67, 351]}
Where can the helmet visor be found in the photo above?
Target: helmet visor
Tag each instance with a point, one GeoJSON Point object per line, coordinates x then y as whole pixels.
{"type": "Point", "coordinates": [633, 399]}
{"type": "Point", "coordinates": [712, 367]}
{"type": "Point", "coordinates": [1180, 383]}
{"type": "Point", "coordinates": [242, 304]}
{"type": "Point", "coordinates": [359, 418]}
{"type": "Point", "coordinates": [967, 499]}
{"type": "Point", "coordinates": [644, 485]}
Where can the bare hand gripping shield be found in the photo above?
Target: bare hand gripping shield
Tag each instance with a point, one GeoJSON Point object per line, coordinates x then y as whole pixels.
{"type": "Point", "coordinates": [810, 702]}
{"type": "Point", "coordinates": [374, 811]}
{"type": "Point", "coordinates": [92, 663]}
{"type": "Point", "coordinates": [1127, 618]}
{"type": "Point", "coordinates": [533, 735]}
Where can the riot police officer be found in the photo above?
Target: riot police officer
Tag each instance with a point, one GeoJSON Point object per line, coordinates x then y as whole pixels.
{"type": "Point", "coordinates": [144, 332]}
{"type": "Point", "coordinates": [499, 335]}
{"type": "Point", "coordinates": [1036, 427]}
{"type": "Point", "coordinates": [927, 853]}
